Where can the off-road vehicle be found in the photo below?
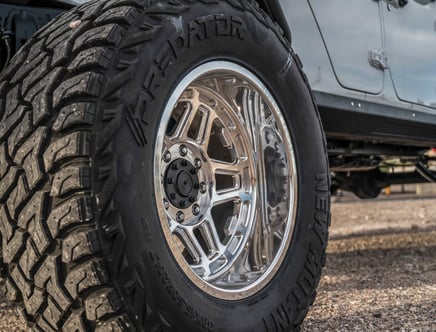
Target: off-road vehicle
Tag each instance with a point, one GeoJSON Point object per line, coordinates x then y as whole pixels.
{"type": "Point", "coordinates": [166, 165]}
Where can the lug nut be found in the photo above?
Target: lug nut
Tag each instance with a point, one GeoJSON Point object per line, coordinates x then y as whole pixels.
{"type": "Point", "coordinates": [182, 204]}
{"type": "Point", "coordinates": [203, 187]}
{"type": "Point", "coordinates": [167, 156]}
{"type": "Point", "coordinates": [183, 150]}
{"type": "Point", "coordinates": [166, 204]}
{"type": "Point", "coordinates": [197, 163]}
{"type": "Point", "coordinates": [195, 209]}
{"type": "Point", "coordinates": [180, 216]}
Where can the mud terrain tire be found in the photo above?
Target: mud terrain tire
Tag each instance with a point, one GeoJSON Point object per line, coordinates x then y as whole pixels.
{"type": "Point", "coordinates": [81, 107]}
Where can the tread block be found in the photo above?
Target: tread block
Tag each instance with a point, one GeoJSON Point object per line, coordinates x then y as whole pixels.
{"type": "Point", "coordinates": [17, 196]}
{"type": "Point", "coordinates": [121, 15]}
{"type": "Point", "coordinates": [28, 156]}
{"type": "Point", "coordinates": [78, 245]}
{"type": "Point", "coordinates": [91, 58]}
{"type": "Point", "coordinates": [11, 102]}
{"type": "Point", "coordinates": [91, 10]}
{"type": "Point", "coordinates": [73, 145]}
{"type": "Point", "coordinates": [20, 133]}
{"type": "Point", "coordinates": [83, 85]}
{"type": "Point", "coordinates": [101, 303]}
{"type": "Point", "coordinates": [72, 212]}
{"type": "Point", "coordinates": [14, 246]}
{"type": "Point", "coordinates": [58, 25]}
{"type": "Point", "coordinates": [58, 38]}
{"type": "Point", "coordinates": [4, 165]}
{"type": "Point", "coordinates": [20, 281]}
{"type": "Point", "coordinates": [69, 179]}
{"type": "Point", "coordinates": [34, 59]}
{"type": "Point", "coordinates": [7, 181]}
{"type": "Point", "coordinates": [28, 259]}
{"type": "Point", "coordinates": [117, 3]}
{"type": "Point", "coordinates": [37, 74]}
{"type": "Point", "coordinates": [12, 291]}
{"type": "Point", "coordinates": [48, 276]}
{"type": "Point", "coordinates": [15, 63]}
{"type": "Point", "coordinates": [12, 113]}
{"type": "Point", "coordinates": [85, 276]}
{"type": "Point", "coordinates": [34, 302]}
{"type": "Point", "coordinates": [7, 225]}
{"type": "Point", "coordinates": [74, 114]}
{"type": "Point", "coordinates": [118, 324]}
{"type": "Point", "coordinates": [40, 95]}
{"type": "Point", "coordinates": [52, 313]}
{"type": "Point", "coordinates": [75, 322]}
{"type": "Point", "coordinates": [32, 218]}
{"type": "Point", "coordinates": [62, 44]}
{"type": "Point", "coordinates": [45, 326]}
{"type": "Point", "coordinates": [102, 35]}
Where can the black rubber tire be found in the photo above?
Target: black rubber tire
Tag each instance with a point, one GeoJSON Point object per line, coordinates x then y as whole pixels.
{"type": "Point", "coordinates": [80, 109]}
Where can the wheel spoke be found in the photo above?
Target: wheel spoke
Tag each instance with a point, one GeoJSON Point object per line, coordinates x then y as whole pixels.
{"type": "Point", "coordinates": [231, 195]}
{"type": "Point", "coordinates": [186, 235]}
{"type": "Point", "coordinates": [226, 168]}
{"type": "Point", "coordinates": [187, 117]}
{"type": "Point", "coordinates": [241, 182]}
{"type": "Point", "coordinates": [210, 236]}
{"type": "Point", "coordinates": [205, 127]}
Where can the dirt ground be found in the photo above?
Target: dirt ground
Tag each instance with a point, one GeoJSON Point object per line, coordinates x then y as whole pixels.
{"type": "Point", "coordinates": [380, 273]}
{"type": "Point", "coordinates": [381, 268]}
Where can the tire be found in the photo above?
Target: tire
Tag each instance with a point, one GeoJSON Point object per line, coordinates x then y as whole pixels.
{"type": "Point", "coordinates": [104, 190]}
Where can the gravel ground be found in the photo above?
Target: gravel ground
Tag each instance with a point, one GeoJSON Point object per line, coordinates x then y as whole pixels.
{"type": "Point", "coordinates": [380, 273]}
{"type": "Point", "coordinates": [381, 268]}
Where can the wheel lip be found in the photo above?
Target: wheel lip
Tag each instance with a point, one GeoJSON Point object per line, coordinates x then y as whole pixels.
{"type": "Point", "coordinates": [276, 264]}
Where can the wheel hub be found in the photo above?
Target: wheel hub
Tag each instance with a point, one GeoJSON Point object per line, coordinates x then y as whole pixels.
{"type": "Point", "coordinates": [181, 183]}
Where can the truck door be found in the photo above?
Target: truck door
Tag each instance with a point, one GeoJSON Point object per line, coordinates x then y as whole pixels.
{"type": "Point", "coordinates": [352, 34]}
{"type": "Point", "coordinates": [411, 50]}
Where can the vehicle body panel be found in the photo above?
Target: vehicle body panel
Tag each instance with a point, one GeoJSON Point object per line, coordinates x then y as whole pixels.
{"type": "Point", "coordinates": [348, 113]}
{"type": "Point", "coordinates": [348, 39]}
{"type": "Point", "coordinates": [411, 50]}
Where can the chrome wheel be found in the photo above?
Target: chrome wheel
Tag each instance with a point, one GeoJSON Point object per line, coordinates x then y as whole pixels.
{"type": "Point", "coordinates": [225, 180]}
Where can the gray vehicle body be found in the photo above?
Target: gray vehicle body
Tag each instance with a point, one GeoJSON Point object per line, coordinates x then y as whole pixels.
{"type": "Point", "coordinates": [371, 65]}
{"type": "Point", "coordinates": [371, 60]}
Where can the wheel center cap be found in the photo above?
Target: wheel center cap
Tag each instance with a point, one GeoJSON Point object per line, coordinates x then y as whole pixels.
{"type": "Point", "coordinates": [184, 183]}
{"type": "Point", "coordinates": [181, 183]}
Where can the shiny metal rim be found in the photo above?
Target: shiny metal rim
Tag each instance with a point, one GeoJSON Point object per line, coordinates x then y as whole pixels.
{"type": "Point", "coordinates": [225, 180]}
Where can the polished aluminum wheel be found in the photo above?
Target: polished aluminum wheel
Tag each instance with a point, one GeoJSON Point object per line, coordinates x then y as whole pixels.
{"type": "Point", "coordinates": [226, 180]}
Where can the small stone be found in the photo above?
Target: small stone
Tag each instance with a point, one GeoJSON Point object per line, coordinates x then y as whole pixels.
{"type": "Point", "coordinates": [74, 24]}
{"type": "Point", "coordinates": [377, 314]}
